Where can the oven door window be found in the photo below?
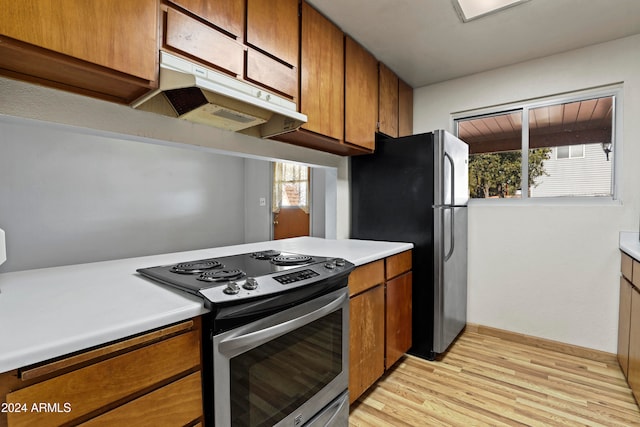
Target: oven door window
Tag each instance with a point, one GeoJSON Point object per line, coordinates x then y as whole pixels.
{"type": "Point", "coordinates": [270, 381]}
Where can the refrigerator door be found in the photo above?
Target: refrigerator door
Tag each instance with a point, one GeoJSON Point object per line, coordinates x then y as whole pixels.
{"type": "Point", "coordinates": [451, 177]}
{"type": "Point", "coordinates": [450, 275]}
{"type": "Point", "coordinates": [451, 171]}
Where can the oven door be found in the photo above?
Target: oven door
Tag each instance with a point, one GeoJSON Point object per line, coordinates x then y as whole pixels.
{"type": "Point", "coordinates": [285, 368]}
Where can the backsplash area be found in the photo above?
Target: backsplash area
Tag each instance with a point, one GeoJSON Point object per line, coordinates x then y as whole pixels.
{"type": "Point", "coordinates": [68, 196]}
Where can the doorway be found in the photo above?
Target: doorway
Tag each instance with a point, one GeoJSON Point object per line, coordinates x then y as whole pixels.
{"type": "Point", "coordinates": [290, 200]}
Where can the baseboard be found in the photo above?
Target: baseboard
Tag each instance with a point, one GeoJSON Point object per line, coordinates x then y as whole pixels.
{"type": "Point", "coordinates": [587, 353]}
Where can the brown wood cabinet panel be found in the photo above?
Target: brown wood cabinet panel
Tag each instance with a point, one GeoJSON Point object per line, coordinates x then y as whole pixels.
{"type": "Point", "coordinates": [626, 266]}
{"type": "Point", "coordinates": [192, 37]}
{"type": "Point", "coordinates": [322, 74]}
{"type": "Point", "coordinates": [272, 74]}
{"type": "Point", "coordinates": [227, 15]}
{"type": "Point", "coordinates": [176, 404]}
{"type": "Point", "coordinates": [634, 345]}
{"type": "Point", "coordinates": [635, 274]}
{"type": "Point", "coordinates": [77, 360]}
{"type": "Point", "coordinates": [397, 264]}
{"type": "Point", "coordinates": [121, 35]}
{"type": "Point", "coordinates": [361, 95]}
{"type": "Point", "coordinates": [92, 387]}
{"type": "Point", "coordinates": [405, 109]}
{"type": "Point", "coordinates": [387, 101]}
{"type": "Point", "coordinates": [398, 309]}
{"type": "Point", "coordinates": [273, 26]}
{"type": "Point", "coordinates": [366, 276]}
{"type": "Point", "coordinates": [26, 62]}
{"type": "Point", "coordinates": [624, 324]}
{"type": "Point", "coordinates": [366, 340]}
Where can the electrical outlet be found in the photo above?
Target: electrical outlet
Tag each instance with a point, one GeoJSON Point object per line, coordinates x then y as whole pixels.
{"type": "Point", "coordinates": [263, 201]}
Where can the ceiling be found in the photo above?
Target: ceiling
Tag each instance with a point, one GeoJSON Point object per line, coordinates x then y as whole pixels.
{"type": "Point", "coordinates": [424, 41]}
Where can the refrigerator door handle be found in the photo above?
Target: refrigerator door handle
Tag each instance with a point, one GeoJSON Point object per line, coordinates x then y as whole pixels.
{"type": "Point", "coordinates": [451, 234]}
{"type": "Point", "coordinates": [452, 186]}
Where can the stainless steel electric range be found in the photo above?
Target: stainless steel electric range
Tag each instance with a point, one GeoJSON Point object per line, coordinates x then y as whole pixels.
{"type": "Point", "coordinates": [276, 346]}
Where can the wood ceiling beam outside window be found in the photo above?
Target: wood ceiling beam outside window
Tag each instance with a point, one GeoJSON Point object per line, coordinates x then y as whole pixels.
{"type": "Point", "coordinates": [582, 122]}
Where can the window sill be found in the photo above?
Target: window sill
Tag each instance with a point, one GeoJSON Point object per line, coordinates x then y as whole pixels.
{"type": "Point", "coordinates": [548, 201]}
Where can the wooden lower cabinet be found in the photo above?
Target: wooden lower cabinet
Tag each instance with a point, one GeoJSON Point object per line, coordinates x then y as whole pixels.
{"type": "Point", "coordinates": [366, 340]}
{"type": "Point", "coordinates": [629, 323]}
{"type": "Point", "coordinates": [398, 318]}
{"type": "Point", "coordinates": [633, 374]}
{"type": "Point", "coordinates": [380, 319]}
{"type": "Point", "coordinates": [624, 324]}
{"type": "Point", "coordinates": [147, 380]}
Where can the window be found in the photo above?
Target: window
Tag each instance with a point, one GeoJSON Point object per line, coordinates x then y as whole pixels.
{"type": "Point", "coordinates": [559, 147]}
{"type": "Point", "coordinates": [290, 186]}
{"type": "Point", "coordinates": [569, 152]}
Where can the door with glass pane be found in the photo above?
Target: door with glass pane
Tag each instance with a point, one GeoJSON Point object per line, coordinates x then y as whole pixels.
{"type": "Point", "coordinates": [290, 200]}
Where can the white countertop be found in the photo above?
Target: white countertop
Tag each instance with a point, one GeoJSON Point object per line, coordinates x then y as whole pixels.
{"type": "Point", "coordinates": [630, 243]}
{"type": "Point", "coordinates": [50, 312]}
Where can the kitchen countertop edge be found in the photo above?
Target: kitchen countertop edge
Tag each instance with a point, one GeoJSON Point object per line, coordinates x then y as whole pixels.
{"type": "Point", "coordinates": [51, 312]}
{"type": "Point", "coordinates": [630, 243]}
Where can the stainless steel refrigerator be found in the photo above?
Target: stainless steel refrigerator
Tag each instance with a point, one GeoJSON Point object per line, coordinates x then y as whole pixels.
{"type": "Point", "coordinates": [415, 189]}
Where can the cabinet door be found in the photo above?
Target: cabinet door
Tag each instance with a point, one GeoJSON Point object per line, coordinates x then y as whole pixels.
{"type": "Point", "coordinates": [121, 35]}
{"type": "Point", "coordinates": [634, 345]}
{"type": "Point", "coordinates": [366, 340]}
{"type": "Point", "coordinates": [624, 324]}
{"type": "Point", "coordinates": [188, 35]}
{"type": "Point", "coordinates": [398, 316]}
{"type": "Point", "coordinates": [227, 15]}
{"type": "Point", "coordinates": [388, 102]}
{"type": "Point", "coordinates": [322, 74]}
{"type": "Point", "coordinates": [405, 109]}
{"type": "Point", "coordinates": [361, 95]}
{"type": "Point", "coordinates": [273, 26]}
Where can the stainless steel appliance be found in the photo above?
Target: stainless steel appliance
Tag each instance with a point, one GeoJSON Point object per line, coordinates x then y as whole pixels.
{"type": "Point", "coordinates": [276, 349]}
{"type": "Point", "coordinates": [415, 189]}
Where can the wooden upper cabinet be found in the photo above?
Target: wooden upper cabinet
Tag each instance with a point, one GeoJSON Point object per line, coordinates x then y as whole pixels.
{"type": "Point", "coordinates": [106, 49]}
{"type": "Point", "coordinates": [273, 27]}
{"type": "Point", "coordinates": [228, 15]}
{"type": "Point", "coordinates": [118, 34]}
{"type": "Point", "coordinates": [388, 102]}
{"type": "Point", "coordinates": [361, 95]}
{"type": "Point", "coordinates": [188, 35]}
{"type": "Point", "coordinates": [322, 74]}
{"type": "Point", "coordinates": [405, 109]}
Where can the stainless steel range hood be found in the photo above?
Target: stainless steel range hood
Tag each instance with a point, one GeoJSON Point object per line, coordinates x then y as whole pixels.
{"type": "Point", "coordinates": [195, 93]}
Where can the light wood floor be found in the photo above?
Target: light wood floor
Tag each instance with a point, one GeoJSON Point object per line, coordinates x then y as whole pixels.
{"type": "Point", "coordinates": [487, 381]}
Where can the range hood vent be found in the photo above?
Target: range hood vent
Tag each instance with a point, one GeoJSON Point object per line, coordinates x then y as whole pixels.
{"type": "Point", "coordinates": [192, 92]}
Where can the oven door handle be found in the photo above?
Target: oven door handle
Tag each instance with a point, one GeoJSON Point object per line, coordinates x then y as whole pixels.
{"type": "Point", "coordinates": [314, 309]}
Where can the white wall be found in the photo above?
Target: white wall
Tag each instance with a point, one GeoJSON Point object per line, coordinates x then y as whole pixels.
{"type": "Point", "coordinates": [25, 100]}
{"type": "Point", "coordinates": [542, 268]}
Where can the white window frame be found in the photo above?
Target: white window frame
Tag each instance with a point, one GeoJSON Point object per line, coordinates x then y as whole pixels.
{"type": "Point", "coordinates": [615, 91]}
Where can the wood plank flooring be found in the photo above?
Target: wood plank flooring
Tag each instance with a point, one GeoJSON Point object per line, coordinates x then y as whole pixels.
{"type": "Point", "coordinates": [489, 381]}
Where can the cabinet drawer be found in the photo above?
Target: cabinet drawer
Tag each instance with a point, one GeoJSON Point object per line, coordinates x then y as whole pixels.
{"type": "Point", "coordinates": [175, 404]}
{"type": "Point", "coordinates": [398, 264]}
{"type": "Point", "coordinates": [626, 266]}
{"type": "Point", "coordinates": [272, 74]}
{"type": "Point", "coordinates": [95, 386]}
{"type": "Point", "coordinates": [366, 276]}
{"type": "Point", "coordinates": [194, 38]}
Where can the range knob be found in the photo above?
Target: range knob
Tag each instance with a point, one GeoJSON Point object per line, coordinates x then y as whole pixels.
{"type": "Point", "coordinates": [330, 265]}
{"type": "Point", "coordinates": [340, 262]}
{"type": "Point", "coordinates": [250, 284]}
{"type": "Point", "coordinates": [231, 289]}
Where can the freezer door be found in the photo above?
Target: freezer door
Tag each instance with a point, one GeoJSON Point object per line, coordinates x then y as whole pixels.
{"type": "Point", "coordinates": [450, 275]}
{"type": "Point", "coordinates": [451, 170]}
